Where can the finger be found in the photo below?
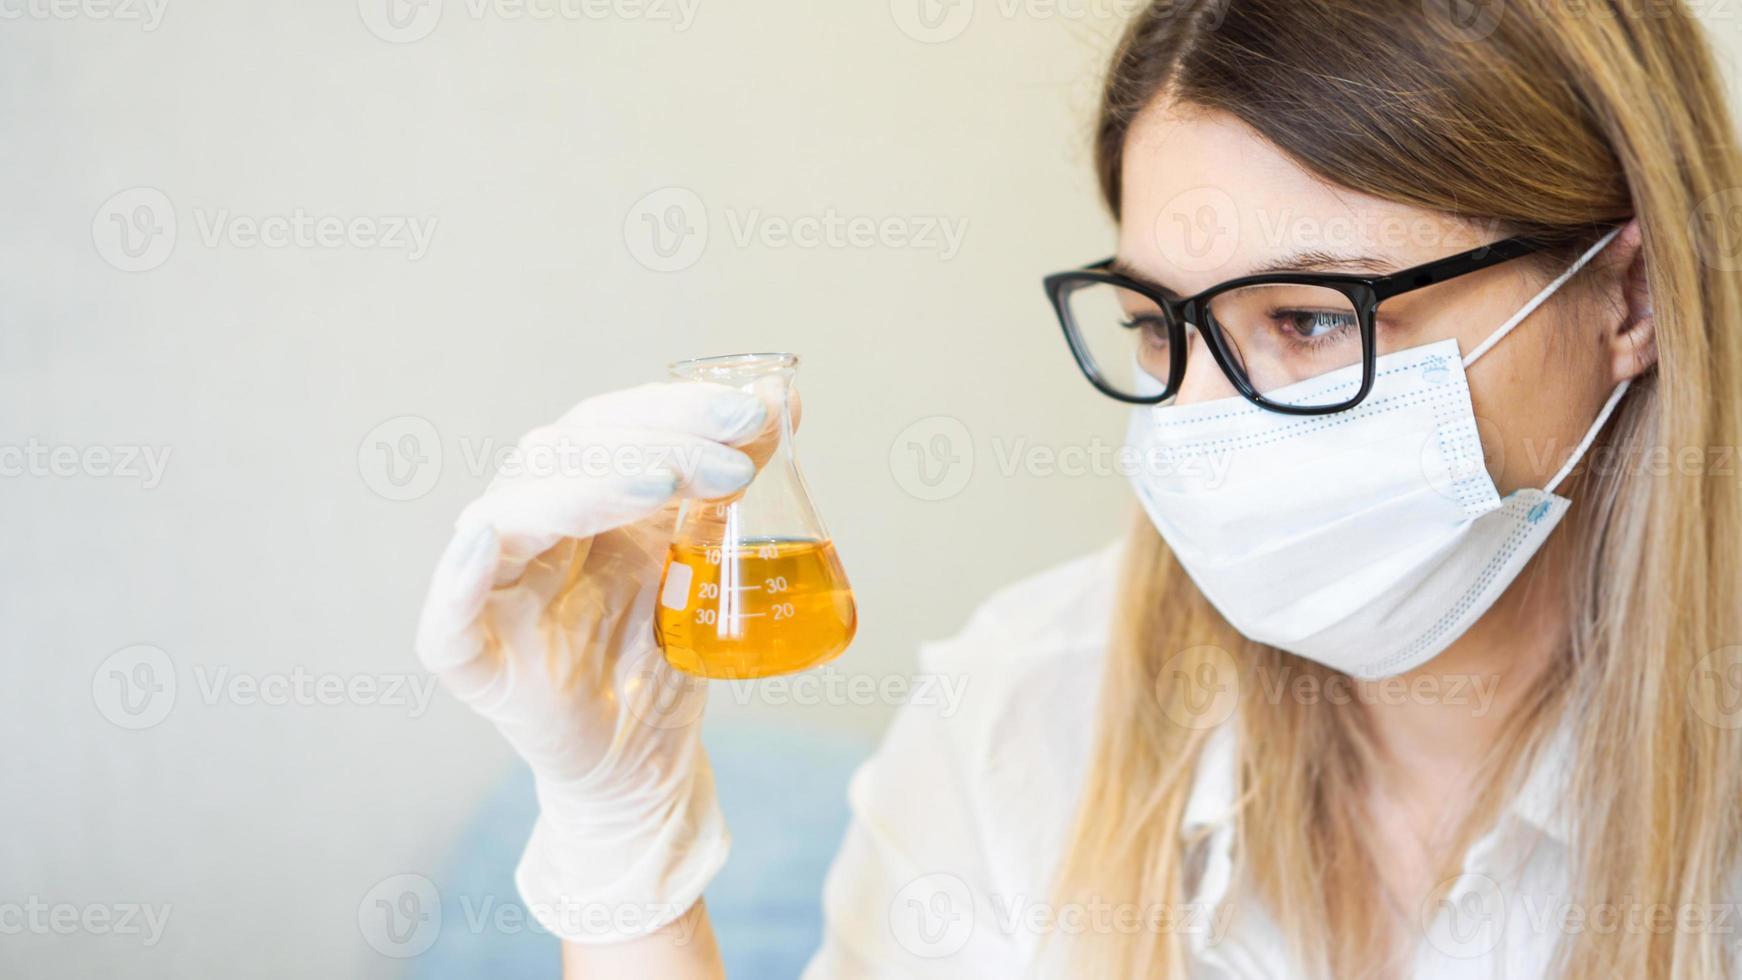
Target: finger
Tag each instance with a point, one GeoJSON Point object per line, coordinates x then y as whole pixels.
{"type": "Point", "coordinates": [578, 483]}
{"type": "Point", "coordinates": [636, 460]}
{"type": "Point", "coordinates": [706, 410]}
{"type": "Point", "coordinates": [450, 638]}
{"type": "Point", "coordinates": [760, 447]}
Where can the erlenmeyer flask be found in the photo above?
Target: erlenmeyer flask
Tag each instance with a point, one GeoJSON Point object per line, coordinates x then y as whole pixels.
{"type": "Point", "coordinates": [752, 586]}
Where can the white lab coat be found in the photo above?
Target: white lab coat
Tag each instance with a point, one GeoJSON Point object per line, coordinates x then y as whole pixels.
{"type": "Point", "coordinates": [960, 820]}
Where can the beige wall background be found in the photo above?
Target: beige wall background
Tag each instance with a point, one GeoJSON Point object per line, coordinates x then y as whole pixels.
{"type": "Point", "coordinates": [282, 279]}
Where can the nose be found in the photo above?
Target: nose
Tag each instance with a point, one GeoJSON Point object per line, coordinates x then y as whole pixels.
{"type": "Point", "coordinates": [1203, 380]}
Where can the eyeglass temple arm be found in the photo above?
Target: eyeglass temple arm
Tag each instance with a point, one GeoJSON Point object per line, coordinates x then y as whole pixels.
{"type": "Point", "coordinates": [1454, 266]}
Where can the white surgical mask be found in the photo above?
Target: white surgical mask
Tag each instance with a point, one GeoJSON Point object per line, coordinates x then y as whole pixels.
{"type": "Point", "coordinates": [1367, 540]}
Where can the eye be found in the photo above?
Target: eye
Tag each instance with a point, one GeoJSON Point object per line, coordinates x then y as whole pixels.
{"type": "Point", "coordinates": [1313, 324]}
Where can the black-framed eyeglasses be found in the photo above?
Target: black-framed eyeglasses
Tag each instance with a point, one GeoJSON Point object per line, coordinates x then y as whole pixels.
{"type": "Point", "coordinates": [1288, 342]}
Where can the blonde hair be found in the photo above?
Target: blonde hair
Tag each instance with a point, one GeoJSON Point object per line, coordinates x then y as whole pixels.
{"type": "Point", "coordinates": [1558, 118]}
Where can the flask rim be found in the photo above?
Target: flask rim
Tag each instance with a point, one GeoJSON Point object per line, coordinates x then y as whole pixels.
{"type": "Point", "coordinates": [738, 365]}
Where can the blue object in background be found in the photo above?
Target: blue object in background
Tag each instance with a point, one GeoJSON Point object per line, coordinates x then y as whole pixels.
{"type": "Point", "coordinates": [785, 798]}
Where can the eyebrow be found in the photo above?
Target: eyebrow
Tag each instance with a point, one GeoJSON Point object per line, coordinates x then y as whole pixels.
{"type": "Point", "coordinates": [1310, 260]}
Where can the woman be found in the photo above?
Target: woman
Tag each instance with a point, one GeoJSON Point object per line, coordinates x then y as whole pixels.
{"type": "Point", "coordinates": [1363, 694]}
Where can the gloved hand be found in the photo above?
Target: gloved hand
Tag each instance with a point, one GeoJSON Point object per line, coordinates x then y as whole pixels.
{"type": "Point", "coordinates": [540, 616]}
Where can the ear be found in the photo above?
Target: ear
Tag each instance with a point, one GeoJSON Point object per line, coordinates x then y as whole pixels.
{"type": "Point", "coordinates": [1632, 338]}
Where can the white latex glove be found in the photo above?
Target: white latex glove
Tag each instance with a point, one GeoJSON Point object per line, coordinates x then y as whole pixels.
{"type": "Point", "coordinates": [540, 616]}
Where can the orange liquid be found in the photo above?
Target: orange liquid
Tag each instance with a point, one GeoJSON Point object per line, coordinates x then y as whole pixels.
{"type": "Point", "coordinates": [760, 608]}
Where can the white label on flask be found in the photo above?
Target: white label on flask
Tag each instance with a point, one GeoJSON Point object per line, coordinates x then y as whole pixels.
{"type": "Point", "coordinates": [676, 594]}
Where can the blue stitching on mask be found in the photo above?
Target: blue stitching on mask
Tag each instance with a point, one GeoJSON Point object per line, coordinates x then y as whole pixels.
{"type": "Point", "coordinates": [1474, 492]}
{"type": "Point", "coordinates": [1250, 409]}
{"type": "Point", "coordinates": [1313, 424]}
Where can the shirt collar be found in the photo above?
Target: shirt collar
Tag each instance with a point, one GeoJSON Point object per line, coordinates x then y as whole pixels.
{"type": "Point", "coordinates": [1215, 785]}
{"type": "Point", "coordinates": [1541, 800]}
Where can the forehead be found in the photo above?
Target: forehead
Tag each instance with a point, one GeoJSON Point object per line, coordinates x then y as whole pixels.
{"type": "Point", "coordinates": [1207, 199]}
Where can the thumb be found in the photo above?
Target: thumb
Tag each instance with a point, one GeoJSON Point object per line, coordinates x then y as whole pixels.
{"type": "Point", "coordinates": [450, 638]}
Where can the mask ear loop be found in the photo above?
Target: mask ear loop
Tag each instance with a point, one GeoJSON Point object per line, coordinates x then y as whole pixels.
{"type": "Point", "coordinates": [1590, 435]}
{"type": "Point", "coordinates": [1541, 298]}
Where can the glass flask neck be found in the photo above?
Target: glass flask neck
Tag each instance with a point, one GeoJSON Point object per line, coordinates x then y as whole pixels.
{"type": "Point", "coordinates": [776, 506]}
